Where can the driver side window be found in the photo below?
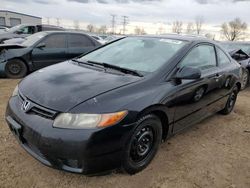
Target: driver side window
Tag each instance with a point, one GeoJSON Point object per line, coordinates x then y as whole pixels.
{"type": "Point", "coordinates": [202, 57]}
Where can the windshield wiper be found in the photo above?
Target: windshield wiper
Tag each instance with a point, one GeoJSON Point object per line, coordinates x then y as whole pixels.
{"type": "Point", "coordinates": [84, 62]}
{"type": "Point", "coordinates": [121, 69]}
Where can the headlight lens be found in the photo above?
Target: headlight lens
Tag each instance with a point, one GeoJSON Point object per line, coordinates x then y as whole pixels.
{"type": "Point", "coordinates": [88, 121]}
{"type": "Point", "coordinates": [15, 92]}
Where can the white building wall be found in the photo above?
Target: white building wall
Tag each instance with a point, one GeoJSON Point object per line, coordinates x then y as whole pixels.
{"type": "Point", "coordinates": [25, 19]}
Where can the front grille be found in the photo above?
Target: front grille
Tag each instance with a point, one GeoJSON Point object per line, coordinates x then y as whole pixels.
{"type": "Point", "coordinates": [37, 109]}
{"type": "Point", "coordinates": [42, 112]}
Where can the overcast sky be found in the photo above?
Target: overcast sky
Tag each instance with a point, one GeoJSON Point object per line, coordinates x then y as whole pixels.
{"type": "Point", "coordinates": [166, 11]}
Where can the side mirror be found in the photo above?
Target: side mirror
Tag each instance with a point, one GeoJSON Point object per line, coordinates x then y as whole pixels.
{"type": "Point", "coordinates": [41, 45]}
{"type": "Point", "coordinates": [188, 73]}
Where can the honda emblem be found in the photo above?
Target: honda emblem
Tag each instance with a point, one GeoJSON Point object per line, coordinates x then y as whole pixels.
{"type": "Point", "coordinates": [26, 106]}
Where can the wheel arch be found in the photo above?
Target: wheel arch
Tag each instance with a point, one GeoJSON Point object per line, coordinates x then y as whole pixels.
{"type": "Point", "coordinates": [160, 111]}
{"type": "Point", "coordinates": [21, 59]}
{"type": "Point", "coordinates": [238, 84]}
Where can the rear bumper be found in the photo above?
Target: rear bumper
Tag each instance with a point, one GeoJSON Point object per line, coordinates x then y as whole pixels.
{"type": "Point", "coordinates": [78, 151]}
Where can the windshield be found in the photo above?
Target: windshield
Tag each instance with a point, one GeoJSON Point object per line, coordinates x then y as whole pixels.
{"type": "Point", "coordinates": [235, 46]}
{"type": "Point", "coordinates": [137, 53]}
{"type": "Point", "coordinates": [32, 39]}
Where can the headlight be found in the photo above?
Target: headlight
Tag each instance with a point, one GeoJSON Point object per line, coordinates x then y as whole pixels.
{"type": "Point", "coordinates": [15, 92]}
{"type": "Point", "coordinates": [88, 121]}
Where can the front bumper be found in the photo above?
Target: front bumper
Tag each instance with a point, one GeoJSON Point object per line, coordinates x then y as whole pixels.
{"type": "Point", "coordinates": [80, 151]}
{"type": "Point", "coordinates": [2, 68]}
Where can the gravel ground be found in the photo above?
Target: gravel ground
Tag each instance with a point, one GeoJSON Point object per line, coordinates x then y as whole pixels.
{"type": "Point", "coordinates": [214, 153]}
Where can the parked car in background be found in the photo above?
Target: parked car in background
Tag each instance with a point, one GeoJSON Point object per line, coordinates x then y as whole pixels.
{"type": "Point", "coordinates": [99, 39]}
{"type": "Point", "coordinates": [14, 41]}
{"type": "Point", "coordinates": [103, 36]}
{"type": "Point", "coordinates": [240, 51]}
{"type": "Point", "coordinates": [230, 46]}
{"type": "Point", "coordinates": [43, 49]}
{"type": "Point", "coordinates": [112, 107]}
{"type": "Point", "coordinates": [112, 38]}
{"type": "Point", "coordinates": [3, 28]}
{"type": "Point", "coordinates": [24, 30]}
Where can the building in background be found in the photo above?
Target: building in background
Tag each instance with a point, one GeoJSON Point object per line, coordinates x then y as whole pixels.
{"type": "Point", "coordinates": [10, 18]}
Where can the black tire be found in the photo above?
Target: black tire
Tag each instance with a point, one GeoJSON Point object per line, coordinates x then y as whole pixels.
{"type": "Point", "coordinates": [230, 102]}
{"type": "Point", "coordinates": [245, 79]}
{"type": "Point", "coordinates": [142, 145]}
{"type": "Point", "coordinates": [16, 69]}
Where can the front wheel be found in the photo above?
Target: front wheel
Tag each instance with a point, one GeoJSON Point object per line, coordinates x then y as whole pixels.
{"type": "Point", "coordinates": [142, 144]}
{"type": "Point", "coordinates": [230, 101]}
{"type": "Point", "coordinates": [16, 69]}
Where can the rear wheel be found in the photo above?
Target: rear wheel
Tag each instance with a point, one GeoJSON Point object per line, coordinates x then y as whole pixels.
{"type": "Point", "coordinates": [142, 144]}
{"type": "Point", "coordinates": [16, 69]}
{"type": "Point", "coordinates": [245, 79]}
{"type": "Point", "coordinates": [230, 101]}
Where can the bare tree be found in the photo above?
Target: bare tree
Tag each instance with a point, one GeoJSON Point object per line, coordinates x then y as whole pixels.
{"type": "Point", "coordinates": [210, 36]}
{"type": "Point", "coordinates": [160, 30]}
{"type": "Point", "coordinates": [103, 29]}
{"type": "Point", "coordinates": [58, 22]}
{"type": "Point", "coordinates": [177, 27]}
{"type": "Point", "coordinates": [48, 20]}
{"type": "Point", "coordinates": [199, 21]}
{"type": "Point", "coordinates": [190, 28]}
{"type": "Point", "coordinates": [90, 28]}
{"type": "Point", "coordinates": [234, 30]}
{"type": "Point", "coordinates": [76, 25]}
{"type": "Point", "coordinates": [139, 31]}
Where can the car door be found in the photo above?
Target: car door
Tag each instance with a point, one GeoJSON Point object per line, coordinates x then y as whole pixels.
{"type": "Point", "coordinates": [79, 44]}
{"type": "Point", "coordinates": [52, 52]}
{"type": "Point", "coordinates": [196, 99]}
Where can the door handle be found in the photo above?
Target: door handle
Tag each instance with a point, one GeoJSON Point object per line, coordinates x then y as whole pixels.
{"type": "Point", "coordinates": [217, 77]}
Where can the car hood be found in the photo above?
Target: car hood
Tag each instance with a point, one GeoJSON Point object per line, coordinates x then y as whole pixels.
{"type": "Point", "coordinates": [7, 35]}
{"type": "Point", "coordinates": [63, 86]}
{"type": "Point", "coordinates": [10, 46]}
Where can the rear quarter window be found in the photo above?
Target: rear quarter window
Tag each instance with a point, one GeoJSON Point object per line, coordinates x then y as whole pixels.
{"type": "Point", "coordinates": [223, 59]}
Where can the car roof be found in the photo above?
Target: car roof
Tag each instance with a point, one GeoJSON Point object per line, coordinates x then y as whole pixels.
{"type": "Point", "coordinates": [235, 42]}
{"type": "Point", "coordinates": [188, 38]}
{"type": "Point", "coordinates": [67, 32]}
{"type": "Point", "coordinates": [42, 25]}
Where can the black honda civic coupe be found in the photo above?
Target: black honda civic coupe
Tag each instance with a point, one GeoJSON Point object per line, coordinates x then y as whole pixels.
{"type": "Point", "coordinates": [111, 108]}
